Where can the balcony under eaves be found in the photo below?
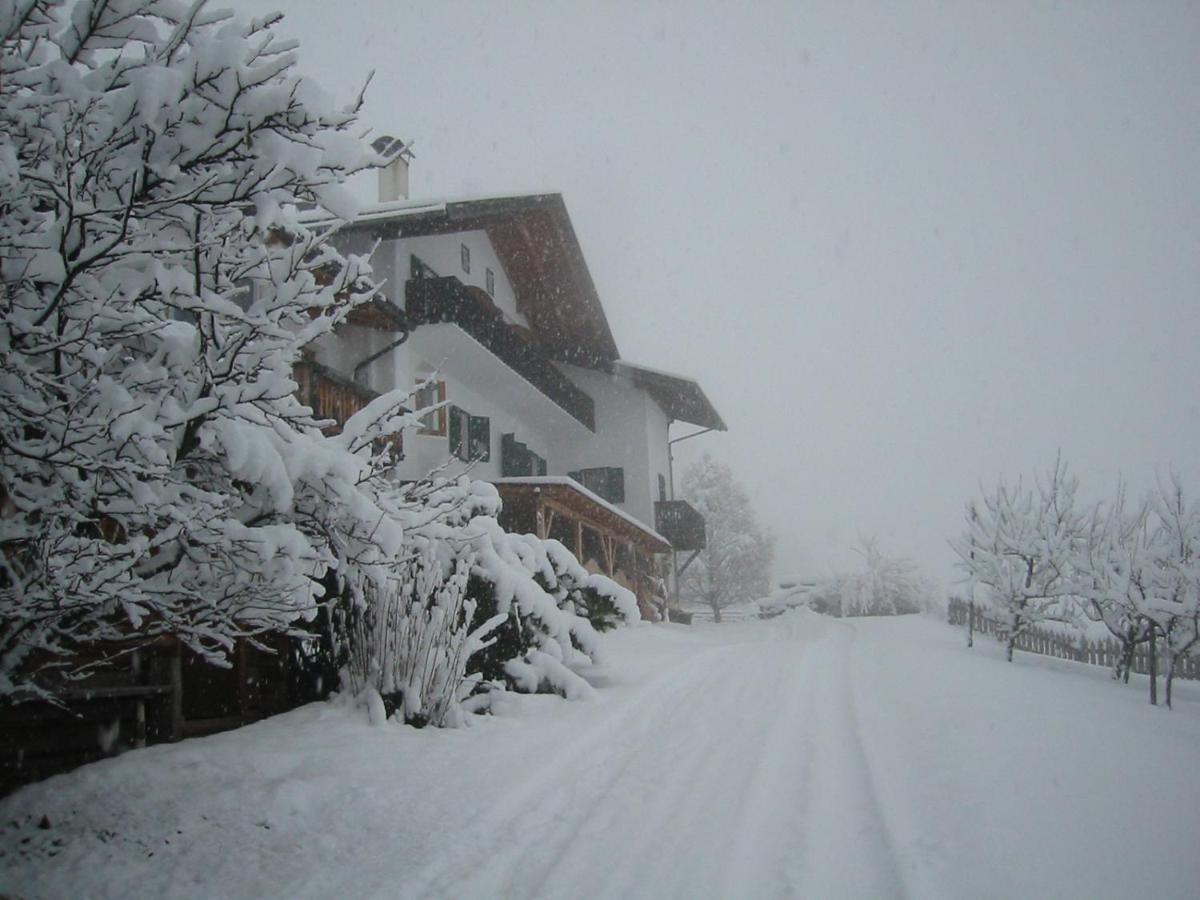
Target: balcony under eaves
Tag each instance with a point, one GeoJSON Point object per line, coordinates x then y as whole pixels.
{"type": "Point", "coordinates": [484, 373]}
{"type": "Point", "coordinates": [493, 357]}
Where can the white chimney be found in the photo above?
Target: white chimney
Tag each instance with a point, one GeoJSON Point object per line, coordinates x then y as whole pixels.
{"type": "Point", "coordinates": [393, 175]}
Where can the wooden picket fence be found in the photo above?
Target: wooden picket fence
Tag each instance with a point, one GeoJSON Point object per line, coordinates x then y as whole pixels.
{"type": "Point", "coordinates": [1062, 646]}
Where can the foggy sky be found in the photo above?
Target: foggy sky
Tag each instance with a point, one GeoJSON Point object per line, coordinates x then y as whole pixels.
{"type": "Point", "coordinates": [906, 248]}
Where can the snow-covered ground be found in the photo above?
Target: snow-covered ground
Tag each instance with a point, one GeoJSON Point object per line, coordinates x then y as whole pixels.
{"type": "Point", "coordinates": [802, 756]}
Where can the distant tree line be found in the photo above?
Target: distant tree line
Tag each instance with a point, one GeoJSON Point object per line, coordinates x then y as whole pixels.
{"type": "Point", "coordinates": [882, 585]}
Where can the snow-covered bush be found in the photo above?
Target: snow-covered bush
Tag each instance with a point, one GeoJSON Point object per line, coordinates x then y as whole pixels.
{"type": "Point", "coordinates": [467, 608]}
{"type": "Point", "coordinates": [552, 609]}
{"type": "Point", "coordinates": [156, 470]}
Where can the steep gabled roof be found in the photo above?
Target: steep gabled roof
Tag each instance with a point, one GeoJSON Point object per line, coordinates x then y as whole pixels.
{"type": "Point", "coordinates": [680, 397]}
{"type": "Point", "coordinates": [536, 243]}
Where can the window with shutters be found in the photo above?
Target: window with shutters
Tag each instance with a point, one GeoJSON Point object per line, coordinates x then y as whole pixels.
{"type": "Point", "coordinates": [470, 436]}
{"type": "Point", "coordinates": [517, 460]}
{"type": "Point", "coordinates": [431, 394]}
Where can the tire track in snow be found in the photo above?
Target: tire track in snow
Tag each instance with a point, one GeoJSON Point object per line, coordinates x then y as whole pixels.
{"type": "Point", "coordinates": [535, 818]}
{"type": "Point", "coordinates": [703, 803]}
{"type": "Point", "coordinates": [762, 853]}
{"type": "Point", "coordinates": [848, 846]}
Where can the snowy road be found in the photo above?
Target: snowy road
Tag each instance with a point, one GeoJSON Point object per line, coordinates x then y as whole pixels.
{"type": "Point", "coordinates": [806, 757]}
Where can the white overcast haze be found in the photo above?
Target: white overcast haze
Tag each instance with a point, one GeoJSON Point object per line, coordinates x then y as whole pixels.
{"type": "Point", "coordinates": [905, 248]}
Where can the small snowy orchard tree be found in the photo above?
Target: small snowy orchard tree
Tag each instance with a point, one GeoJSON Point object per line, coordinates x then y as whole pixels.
{"type": "Point", "coordinates": [1112, 573]}
{"type": "Point", "coordinates": [1172, 599]}
{"type": "Point", "coordinates": [1020, 545]}
{"type": "Point", "coordinates": [735, 565]}
{"type": "Point", "coordinates": [156, 285]}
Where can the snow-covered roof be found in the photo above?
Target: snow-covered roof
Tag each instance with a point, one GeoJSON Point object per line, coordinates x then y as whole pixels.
{"type": "Point", "coordinates": [565, 481]}
{"type": "Point", "coordinates": [534, 238]}
{"type": "Point", "coordinates": [680, 397]}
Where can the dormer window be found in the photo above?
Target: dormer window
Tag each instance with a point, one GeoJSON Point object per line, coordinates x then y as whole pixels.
{"type": "Point", "coordinates": [491, 283]}
{"type": "Point", "coordinates": [466, 258]}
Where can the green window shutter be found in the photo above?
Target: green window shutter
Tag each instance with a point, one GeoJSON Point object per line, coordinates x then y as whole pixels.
{"type": "Point", "coordinates": [479, 439]}
{"type": "Point", "coordinates": [515, 459]}
{"type": "Point", "coordinates": [541, 465]}
{"type": "Point", "coordinates": [458, 431]}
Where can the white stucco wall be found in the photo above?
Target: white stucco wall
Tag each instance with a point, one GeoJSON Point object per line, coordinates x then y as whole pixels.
{"type": "Point", "coordinates": [631, 432]}
{"type": "Point", "coordinates": [483, 386]}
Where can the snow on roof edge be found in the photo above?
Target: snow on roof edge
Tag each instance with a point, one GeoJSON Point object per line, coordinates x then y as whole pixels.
{"type": "Point", "coordinates": [626, 364]}
{"type": "Point", "coordinates": [373, 212]}
{"type": "Point", "coordinates": [595, 498]}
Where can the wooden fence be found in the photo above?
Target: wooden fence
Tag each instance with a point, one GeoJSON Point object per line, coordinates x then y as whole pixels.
{"type": "Point", "coordinates": [1062, 646]}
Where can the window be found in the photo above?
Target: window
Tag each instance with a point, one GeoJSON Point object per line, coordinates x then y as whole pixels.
{"type": "Point", "coordinates": [431, 394]}
{"type": "Point", "coordinates": [466, 258]}
{"type": "Point", "coordinates": [662, 487]}
{"type": "Point", "coordinates": [470, 436]}
{"type": "Point", "coordinates": [607, 482]}
{"type": "Point", "coordinates": [491, 283]}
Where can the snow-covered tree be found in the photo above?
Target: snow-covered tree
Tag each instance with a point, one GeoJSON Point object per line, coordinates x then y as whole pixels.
{"type": "Point", "coordinates": [735, 565]}
{"type": "Point", "coordinates": [1020, 545]}
{"type": "Point", "coordinates": [883, 586]}
{"type": "Point", "coordinates": [157, 473]}
{"type": "Point", "coordinates": [156, 286]}
{"type": "Point", "coordinates": [1111, 574]}
{"type": "Point", "coordinates": [1172, 599]}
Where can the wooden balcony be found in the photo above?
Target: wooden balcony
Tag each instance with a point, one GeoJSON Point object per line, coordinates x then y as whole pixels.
{"type": "Point", "coordinates": [332, 396]}
{"type": "Point", "coordinates": [329, 394]}
{"type": "Point", "coordinates": [433, 300]}
{"type": "Point", "coordinates": [680, 523]}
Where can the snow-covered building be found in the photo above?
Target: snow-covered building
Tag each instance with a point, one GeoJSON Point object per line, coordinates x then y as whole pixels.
{"type": "Point", "coordinates": [488, 303]}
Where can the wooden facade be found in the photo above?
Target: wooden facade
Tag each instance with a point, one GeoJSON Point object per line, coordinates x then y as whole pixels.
{"type": "Point", "coordinates": [158, 693]}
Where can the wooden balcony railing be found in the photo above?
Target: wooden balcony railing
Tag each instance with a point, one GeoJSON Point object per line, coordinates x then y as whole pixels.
{"type": "Point", "coordinates": [333, 397]}
{"type": "Point", "coordinates": [330, 395]}
{"type": "Point", "coordinates": [432, 300]}
{"type": "Point", "coordinates": [680, 523]}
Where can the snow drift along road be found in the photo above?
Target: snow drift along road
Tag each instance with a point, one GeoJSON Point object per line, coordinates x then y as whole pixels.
{"type": "Point", "coordinates": [799, 757]}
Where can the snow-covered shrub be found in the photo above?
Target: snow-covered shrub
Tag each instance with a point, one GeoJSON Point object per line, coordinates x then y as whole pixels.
{"type": "Point", "coordinates": [547, 602]}
{"type": "Point", "coordinates": [157, 473]}
{"type": "Point", "coordinates": [466, 608]}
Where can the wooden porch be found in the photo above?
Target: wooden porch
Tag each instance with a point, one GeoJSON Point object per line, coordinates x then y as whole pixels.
{"type": "Point", "coordinates": [602, 537]}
